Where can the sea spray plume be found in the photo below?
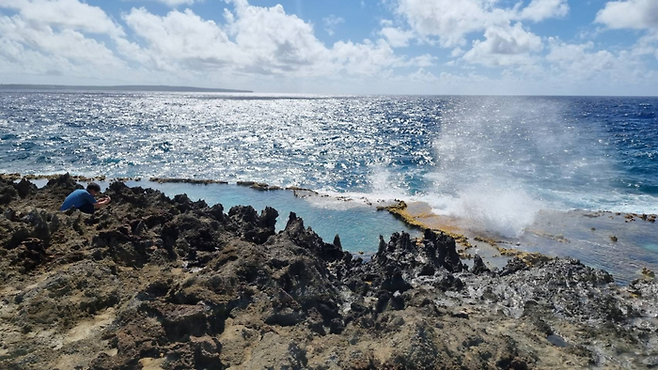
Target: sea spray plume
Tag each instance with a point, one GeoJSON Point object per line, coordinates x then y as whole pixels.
{"type": "Point", "coordinates": [493, 207]}
{"type": "Point", "coordinates": [498, 164]}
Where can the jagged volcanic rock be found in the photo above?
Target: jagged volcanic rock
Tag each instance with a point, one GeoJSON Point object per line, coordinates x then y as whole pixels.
{"type": "Point", "coordinates": [157, 283]}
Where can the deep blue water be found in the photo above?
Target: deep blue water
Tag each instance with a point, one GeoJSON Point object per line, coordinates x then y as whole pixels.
{"type": "Point", "coordinates": [495, 161]}
{"type": "Point", "coordinates": [561, 152]}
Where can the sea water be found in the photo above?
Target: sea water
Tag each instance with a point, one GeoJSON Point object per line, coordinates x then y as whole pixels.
{"type": "Point", "coordinates": [495, 162]}
{"type": "Point", "coordinates": [357, 224]}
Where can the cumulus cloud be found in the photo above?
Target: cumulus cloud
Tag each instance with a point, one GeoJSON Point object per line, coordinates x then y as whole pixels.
{"type": "Point", "coordinates": [68, 43]}
{"type": "Point", "coordinates": [59, 37]}
{"type": "Point", "coordinates": [15, 58]}
{"type": "Point", "coordinates": [282, 45]}
{"type": "Point", "coordinates": [367, 58]}
{"type": "Point", "coordinates": [447, 19]}
{"type": "Point", "coordinates": [425, 60]}
{"type": "Point", "coordinates": [331, 22]}
{"type": "Point", "coordinates": [504, 45]}
{"type": "Point", "coordinates": [180, 37]}
{"type": "Point", "coordinates": [538, 10]}
{"type": "Point", "coordinates": [577, 62]}
{"type": "Point", "coordinates": [47, 38]}
{"type": "Point", "coordinates": [450, 21]}
{"type": "Point", "coordinates": [457, 52]}
{"type": "Point", "coordinates": [396, 36]}
{"type": "Point", "coordinates": [281, 42]}
{"type": "Point", "coordinates": [646, 45]}
{"type": "Point", "coordinates": [421, 75]}
{"type": "Point", "coordinates": [176, 3]}
{"type": "Point", "coordinates": [51, 38]}
{"type": "Point", "coordinates": [633, 14]}
{"type": "Point", "coordinates": [65, 14]}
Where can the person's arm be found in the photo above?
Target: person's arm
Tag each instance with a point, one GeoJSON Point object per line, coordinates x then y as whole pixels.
{"type": "Point", "coordinates": [102, 202]}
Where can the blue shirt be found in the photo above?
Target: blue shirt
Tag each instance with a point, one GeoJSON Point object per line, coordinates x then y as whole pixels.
{"type": "Point", "coordinates": [77, 199]}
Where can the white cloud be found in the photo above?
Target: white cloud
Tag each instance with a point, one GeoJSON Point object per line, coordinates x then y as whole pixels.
{"type": "Point", "coordinates": [646, 45]}
{"type": "Point", "coordinates": [451, 20]}
{"type": "Point", "coordinates": [457, 52]}
{"type": "Point", "coordinates": [67, 43]}
{"type": "Point", "coordinates": [577, 62]}
{"type": "Point", "coordinates": [281, 45]}
{"type": "Point", "coordinates": [181, 43]}
{"type": "Point", "coordinates": [265, 47]}
{"type": "Point", "coordinates": [425, 60]}
{"type": "Point", "coordinates": [176, 3]}
{"type": "Point", "coordinates": [504, 46]}
{"type": "Point", "coordinates": [331, 22]}
{"type": "Point", "coordinates": [64, 58]}
{"type": "Point", "coordinates": [180, 37]}
{"type": "Point", "coordinates": [447, 19]}
{"type": "Point", "coordinates": [71, 14]}
{"type": "Point", "coordinates": [634, 14]}
{"type": "Point", "coordinates": [46, 38]}
{"type": "Point", "coordinates": [539, 10]}
{"type": "Point", "coordinates": [281, 42]}
{"type": "Point", "coordinates": [365, 58]}
{"type": "Point", "coordinates": [17, 59]}
{"type": "Point", "coordinates": [585, 69]}
{"type": "Point", "coordinates": [421, 75]}
{"type": "Point", "coordinates": [397, 37]}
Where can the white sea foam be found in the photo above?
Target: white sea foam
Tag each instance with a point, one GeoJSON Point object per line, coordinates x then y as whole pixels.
{"type": "Point", "coordinates": [498, 165]}
{"type": "Point", "coordinates": [485, 207]}
{"type": "Point", "coordinates": [384, 189]}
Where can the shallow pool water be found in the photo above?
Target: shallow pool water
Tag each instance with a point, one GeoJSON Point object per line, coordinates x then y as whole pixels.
{"type": "Point", "coordinates": [358, 224]}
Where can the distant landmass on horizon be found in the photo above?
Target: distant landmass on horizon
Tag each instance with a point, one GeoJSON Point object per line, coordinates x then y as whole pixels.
{"type": "Point", "coordinates": [117, 88]}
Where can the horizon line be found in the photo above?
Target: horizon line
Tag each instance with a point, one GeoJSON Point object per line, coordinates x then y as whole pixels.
{"type": "Point", "coordinates": [176, 88]}
{"type": "Point", "coordinates": [140, 87]}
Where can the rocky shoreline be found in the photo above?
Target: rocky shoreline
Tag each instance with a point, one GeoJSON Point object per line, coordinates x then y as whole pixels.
{"type": "Point", "coordinates": [157, 283]}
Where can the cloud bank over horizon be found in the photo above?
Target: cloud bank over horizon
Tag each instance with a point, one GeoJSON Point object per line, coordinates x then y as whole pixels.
{"type": "Point", "coordinates": [389, 46]}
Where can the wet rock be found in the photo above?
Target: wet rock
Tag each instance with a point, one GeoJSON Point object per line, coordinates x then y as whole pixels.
{"type": "Point", "coordinates": [337, 241]}
{"type": "Point", "coordinates": [25, 188]}
{"type": "Point", "coordinates": [62, 186]}
{"type": "Point", "coordinates": [478, 265]}
{"type": "Point", "coordinates": [310, 241]}
{"type": "Point", "coordinates": [401, 262]}
{"type": "Point", "coordinates": [514, 265]}
{"type": "Point", "coordinates": [254, 228]}
{"type": "Point", "coordinates": [7, 192]}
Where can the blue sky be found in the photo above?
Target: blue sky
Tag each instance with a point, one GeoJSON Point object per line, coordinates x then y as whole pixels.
{"type": "Point", "coordinates": [545, 47]}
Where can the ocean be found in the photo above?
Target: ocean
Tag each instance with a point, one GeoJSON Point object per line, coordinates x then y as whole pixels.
{"type": "Point", "coordinates": [496, 163]}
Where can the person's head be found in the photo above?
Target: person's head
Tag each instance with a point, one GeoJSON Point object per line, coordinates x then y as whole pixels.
{"type": "Point", "coordinates": [93, 188]}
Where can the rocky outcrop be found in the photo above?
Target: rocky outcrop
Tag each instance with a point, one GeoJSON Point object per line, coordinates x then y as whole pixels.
{"type": "Point", "coordinates": [157, 283]}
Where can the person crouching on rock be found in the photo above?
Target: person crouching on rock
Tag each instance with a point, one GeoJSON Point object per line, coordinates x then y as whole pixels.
{"type": "Point", "coordinates": [84, 199]}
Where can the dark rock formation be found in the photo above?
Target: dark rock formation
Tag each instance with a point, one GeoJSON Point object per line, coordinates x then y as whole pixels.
{"type": "Point", "coordinates": [153, 282]}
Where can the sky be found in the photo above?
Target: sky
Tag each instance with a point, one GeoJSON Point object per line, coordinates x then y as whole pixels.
{"type": "Point", "coordinates": [489, 47]}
